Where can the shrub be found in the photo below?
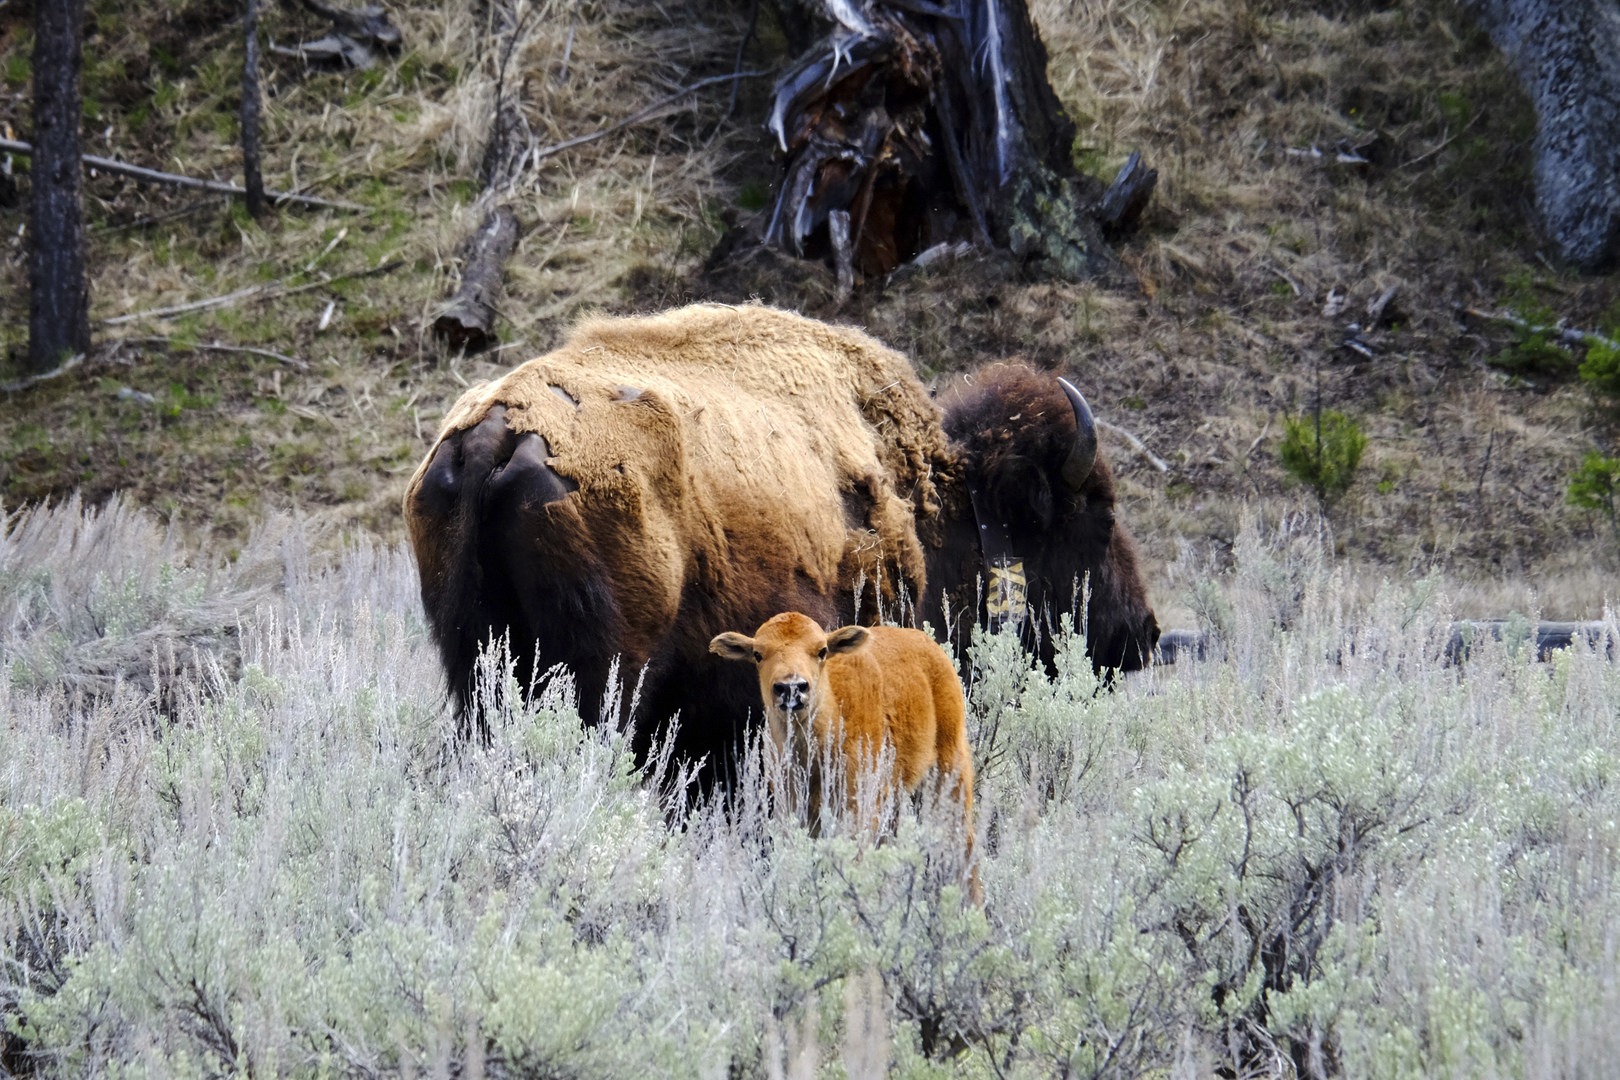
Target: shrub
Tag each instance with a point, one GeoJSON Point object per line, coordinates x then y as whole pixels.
{"type": "Point", "coordinates": [1325, 855]}
{"type": "Point", "coordinates": [1601, 370]}
{"type": "Point", "coordinates": [1596, 486]}
{"type": "Point", "coordinates": [1535, 351]}
{"type": "Point", "coordinates": [1323, 452]}
{"type": "Point", "coordinates": [1535, 348]}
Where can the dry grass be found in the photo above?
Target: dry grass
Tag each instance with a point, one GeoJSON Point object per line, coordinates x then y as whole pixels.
{"type": "Point", "coordinates": [1214, 334]}
{"type": "Point", "coordinates": [1465, 469]}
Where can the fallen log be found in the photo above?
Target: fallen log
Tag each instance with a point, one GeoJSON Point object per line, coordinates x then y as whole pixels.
{"type": "Point", "coordinates": [369, 24]}
{"type": "Point", "coordinates": [1182, 645]}
{"type": "Point", "coordinates": [1568, 336]}
{"type": "Point", "coordinates": [468, 319]}
{"type": "Point", "coordinates": [1549, 636]}
{"type": "Point", "coordinates": [1462, 638]}
{"type": "Point", "coordinates": [359, 36]}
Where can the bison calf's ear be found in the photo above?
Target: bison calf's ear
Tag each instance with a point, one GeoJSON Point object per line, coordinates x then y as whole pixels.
{"type": "Point", "coordinates": [733, 646]}
{"type": "Point", "coordinates": [847, 639]}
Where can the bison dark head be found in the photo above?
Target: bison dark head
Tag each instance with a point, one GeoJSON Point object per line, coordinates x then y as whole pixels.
{"type": "Point", "coordinates": [1040, 493]}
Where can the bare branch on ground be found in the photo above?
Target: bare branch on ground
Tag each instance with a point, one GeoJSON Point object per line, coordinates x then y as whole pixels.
{"type": "Point", "coordinates": [273, 291]}
{"type": "Point", "coordinates": [1135, 444]}
{"type": "Point", "coordinates": [1563, 335]}
{"type": "Point", "coordinates": [153, 176]}
{"type": "Point", "coordinates": [62, 369]}
{"type": "Point", "coordinates": [212, 346]}
{"type": "Point", "coordinates": [641, 115]}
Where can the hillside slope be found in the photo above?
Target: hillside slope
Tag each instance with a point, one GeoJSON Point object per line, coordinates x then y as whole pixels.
{"type": "Point", "coordinates": [1217, 330]}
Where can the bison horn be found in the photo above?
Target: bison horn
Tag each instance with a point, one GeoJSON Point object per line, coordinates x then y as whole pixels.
{"type": "Point", "coordinates": [1084, 452]}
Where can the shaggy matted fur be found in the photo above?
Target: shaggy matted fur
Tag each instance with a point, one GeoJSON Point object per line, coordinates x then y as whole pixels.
{"type": "Point", "coordinates": [750, 413]}
{"type": "Point", "coordinates": [728, 461]}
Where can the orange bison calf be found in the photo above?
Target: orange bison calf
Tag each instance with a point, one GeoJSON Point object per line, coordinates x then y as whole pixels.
{"type": "Point", "coordinates": [863, 686]}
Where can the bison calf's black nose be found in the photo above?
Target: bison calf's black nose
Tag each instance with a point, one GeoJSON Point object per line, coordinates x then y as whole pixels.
{"type": "Point", "coordinates": [791, 693]}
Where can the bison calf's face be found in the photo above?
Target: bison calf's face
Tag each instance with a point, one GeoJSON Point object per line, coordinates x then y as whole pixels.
{"type": "Point", "coordinates": [790, 653]}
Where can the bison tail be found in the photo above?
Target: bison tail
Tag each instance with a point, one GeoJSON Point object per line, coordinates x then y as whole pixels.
{"type": "Point", "coordinates": [457, 506]}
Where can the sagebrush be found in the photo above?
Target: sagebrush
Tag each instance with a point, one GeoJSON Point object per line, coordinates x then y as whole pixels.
{"type": "Point", "coordinates": [1325, 853]}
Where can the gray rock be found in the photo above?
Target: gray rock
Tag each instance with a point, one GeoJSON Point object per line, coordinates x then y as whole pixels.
{"type": "Point", "coordinates": [1566, 54]}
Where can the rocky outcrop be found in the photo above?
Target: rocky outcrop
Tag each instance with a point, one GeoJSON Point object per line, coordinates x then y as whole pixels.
{"type": "Point", "coordinates": [1567, 56]}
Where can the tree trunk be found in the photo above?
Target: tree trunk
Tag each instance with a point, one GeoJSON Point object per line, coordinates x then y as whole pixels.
{"type": "Point", "coordinates": [59, 300]}
{"type": "Point", "coordinates": [930, 127]}
{"type": "Point", "coordinates": [252, 174]}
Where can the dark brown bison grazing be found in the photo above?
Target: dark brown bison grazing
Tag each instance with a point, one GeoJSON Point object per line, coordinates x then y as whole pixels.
{"type": "Point", "coordinates": [1030, 478]}
{"type": "Point", "coordinates": [655, 481]}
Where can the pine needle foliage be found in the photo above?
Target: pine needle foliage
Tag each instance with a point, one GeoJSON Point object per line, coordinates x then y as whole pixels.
{"type": "Point", "coordinates": [1322, 452]}
{"type": "Point", "coordinates": [1595, 486]}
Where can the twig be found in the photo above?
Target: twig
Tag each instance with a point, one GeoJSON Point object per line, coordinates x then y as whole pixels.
{"type": "Point", "coordinates": [843, 254]}
{"type": "Point", "coordinates": [1484, 466]}
{"type": "Point", "coordinates": [181, 309]}
{"type": "Point", "coordinates": [213, 346]}
{"type": "Point", "coordinates": [1290, 282]}
{"type": "Point", "coordinates": [753, 22]}
{"type": "Point", "coordinates": [153, 176]}
{"type": "Point", "coordinates": [568, 52]}
{"type": "Point", "coordinates": [268, 292]}
{"type": "Point", "coordinates": [23, 384]}
{"type": "Point", "coordinates": [327, 250]}
{"type": "Point", "coordinates": [158, 219]}
{"type": "Point", "coordinates": [1135, 444]}
{"type": "Point", "coordinates": [507, 124]}
{"type": "Point", "coordinates": [1443, 143]}
{"type": "Point", "coordinates": [1341, 157]}
{"type": "Point", "coordinates": [639, 115]}
{"type": "Point", "coordinates": [1249, 453]}
{"type": "Point", "coordinates": [375, 271]}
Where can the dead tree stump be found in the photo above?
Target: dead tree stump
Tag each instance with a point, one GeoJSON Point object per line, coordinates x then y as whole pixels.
{"type": "Point", "coordinates": [930, 126]}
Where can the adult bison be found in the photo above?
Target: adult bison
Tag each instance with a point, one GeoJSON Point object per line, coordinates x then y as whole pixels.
{"type": "Point", "coordinates": [658, 480]}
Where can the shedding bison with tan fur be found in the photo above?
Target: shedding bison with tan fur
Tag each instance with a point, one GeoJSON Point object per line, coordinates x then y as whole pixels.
{"type": "Point", "coordinates": [655, 481]}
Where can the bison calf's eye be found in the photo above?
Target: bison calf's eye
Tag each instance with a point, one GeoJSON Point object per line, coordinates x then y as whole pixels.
{"type": "Point", "coordinates": [758, 656]}
{"type": "Point", "coordinates": [822, 655]}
